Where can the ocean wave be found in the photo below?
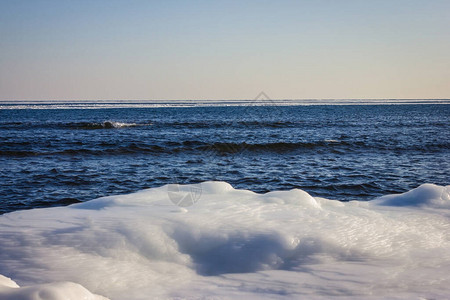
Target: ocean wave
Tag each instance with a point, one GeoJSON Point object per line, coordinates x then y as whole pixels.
{"type": "Point", "coordinates": [179, 147]}
{"type": "Point", "coordinates": [207, 148]}
{"type": "Point", "coordinates": [104, 125]}
{"type": "Point", "coordinates": [249, 124]}
{"type": "Point", "coordinates": [197, 124]}
{"type": "Point", "coordinates": [100, 125]}
{"type": "Point", "coordinates": [270, 147]}
{"type": "Point", "coordinates": [71, 125]}
{"type": "Point", "coordinates": [231, 124]}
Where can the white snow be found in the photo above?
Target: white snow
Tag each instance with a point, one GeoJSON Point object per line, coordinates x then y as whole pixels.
{"type": "Point", "coordinates": [428, 195]}
{"type": "Point", "coordinates": [230, 244]}
{"type": "Point", "coordinates": [54, 291]}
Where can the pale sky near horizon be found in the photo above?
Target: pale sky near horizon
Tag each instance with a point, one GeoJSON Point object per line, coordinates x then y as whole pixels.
{"type": "Point", "coordinates": [87, 50]}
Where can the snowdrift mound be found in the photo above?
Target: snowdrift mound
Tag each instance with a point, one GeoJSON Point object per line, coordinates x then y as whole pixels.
{"type": "Point", "coordinates": [9, 290]}
{"type": "Point", "coordinates": [426, 195]}
{"type": "Point", "coordinates": [232, 243]}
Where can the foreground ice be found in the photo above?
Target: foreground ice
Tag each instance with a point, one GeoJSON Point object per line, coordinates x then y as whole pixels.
{"type": "Point", "coordinates": [230, 244]}
{"type": "Point", "coordinates": [54, 291]}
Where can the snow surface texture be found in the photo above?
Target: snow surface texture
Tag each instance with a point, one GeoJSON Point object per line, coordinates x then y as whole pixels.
{"type": "Point", "coordinates": [230, 244]}
{"type": "Point", "coordinates": [54, 291]}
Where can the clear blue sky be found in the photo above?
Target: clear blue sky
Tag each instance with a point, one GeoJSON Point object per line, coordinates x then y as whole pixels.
{"type": "Point", "coordinates": [94, 49]}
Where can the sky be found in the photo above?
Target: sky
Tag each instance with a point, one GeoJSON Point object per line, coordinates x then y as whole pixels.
{"type": "Point", "coordinates": [168, 50]}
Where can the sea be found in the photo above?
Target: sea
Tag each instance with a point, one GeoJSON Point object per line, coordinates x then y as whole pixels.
{"type": "Point", "coordinates": [56, 153]}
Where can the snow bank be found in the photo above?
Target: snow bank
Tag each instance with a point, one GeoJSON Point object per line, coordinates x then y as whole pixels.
{"type": "Point", "coordinates": [426, 195]}
{"type": "Point", "coordinates": [54, 291]}
{"type": "Point", "coordinates": [233, 243]}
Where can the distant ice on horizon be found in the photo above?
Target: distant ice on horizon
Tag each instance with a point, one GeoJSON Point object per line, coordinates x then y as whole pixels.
{"type": "Point", "coordinates": [102, 104]}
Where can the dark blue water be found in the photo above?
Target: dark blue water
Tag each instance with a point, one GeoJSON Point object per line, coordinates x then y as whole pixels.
{"type": "Point", "coordinates": [54, 157]}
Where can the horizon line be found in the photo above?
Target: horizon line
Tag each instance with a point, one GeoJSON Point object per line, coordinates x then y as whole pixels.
{"type": "Point", "coordinates": [242, 99]}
